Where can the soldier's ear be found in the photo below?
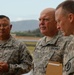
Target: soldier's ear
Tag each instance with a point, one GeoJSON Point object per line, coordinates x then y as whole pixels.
{"type": "Point", "coordinates": [71, 17]}
{"type": "Point", "coordinates": [10, 26]}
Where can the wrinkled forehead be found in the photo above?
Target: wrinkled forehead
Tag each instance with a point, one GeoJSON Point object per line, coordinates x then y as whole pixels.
{"type": "Point", "coordinates": [46, 15]}
{"type": "Point", "coordinates": [59, 12]}
{"type": "Point", "coordinates": [4, 20]}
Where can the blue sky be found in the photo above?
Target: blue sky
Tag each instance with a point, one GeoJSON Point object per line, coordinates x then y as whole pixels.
{"type": "Point", "coordinates": [25, 9]}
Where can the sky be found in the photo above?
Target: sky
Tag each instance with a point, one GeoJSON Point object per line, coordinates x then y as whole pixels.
{"type": "Point", "coordinates": [25, 9]}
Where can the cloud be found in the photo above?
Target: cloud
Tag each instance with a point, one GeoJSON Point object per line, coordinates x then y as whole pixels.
{"type": "Point", "coordinates": [19, 19]}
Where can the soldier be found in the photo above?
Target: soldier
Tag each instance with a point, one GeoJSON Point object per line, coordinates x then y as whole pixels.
{"type": "Point", "coordinates": [64, 16]}
{"type": "Point", "coordinates": [14, 56]}
{"type": "Point", "coordinates": [51, 46]}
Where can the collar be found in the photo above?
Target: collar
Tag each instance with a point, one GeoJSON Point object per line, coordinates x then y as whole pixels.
{"type": "Point", "coordinates": [8, 42]}
{"type": "Point", "coordinates": [50, 42]}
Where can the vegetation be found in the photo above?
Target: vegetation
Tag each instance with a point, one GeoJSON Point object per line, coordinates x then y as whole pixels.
{"type": "Point", "coordinates": [35, 33]}
{"type": "Point", "coordinates": [30, 43]}
{"type": "Point", "coordinates": [30, 46]}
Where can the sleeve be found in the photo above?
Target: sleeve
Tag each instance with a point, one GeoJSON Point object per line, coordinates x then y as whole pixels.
{"type": "Point", "coordinates": [25, 62]}
{"type": "Point", "coordinates": [69, 66]}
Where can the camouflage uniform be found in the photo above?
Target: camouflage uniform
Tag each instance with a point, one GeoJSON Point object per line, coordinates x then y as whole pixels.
{"type": "Point", "coordinates": [52, 50]}
{"type": "Point", "coordinates": [17, 56]}
{"type": "Point", "coordinates": [69, 59]}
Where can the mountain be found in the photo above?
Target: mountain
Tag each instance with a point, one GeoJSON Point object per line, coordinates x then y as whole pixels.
{"type": "Point", "coordinates": [24, 25]}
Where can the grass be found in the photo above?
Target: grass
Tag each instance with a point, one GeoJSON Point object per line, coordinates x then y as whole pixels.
{"type": "Point", "coordinates": [31, 49]}
{"type": "Point", "coordinates": [30, 42]}
{"type": "Point", "coordinates": [30, 46]}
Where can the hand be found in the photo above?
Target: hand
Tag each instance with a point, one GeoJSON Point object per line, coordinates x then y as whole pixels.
{"type": "Point", "coordinates": [3, 67]}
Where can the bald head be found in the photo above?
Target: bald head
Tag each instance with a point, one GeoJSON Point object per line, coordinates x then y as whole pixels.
{"type": "Point", "coordinates": [49, 11]}
{"type": "Point", "coordinates": [47, 22]}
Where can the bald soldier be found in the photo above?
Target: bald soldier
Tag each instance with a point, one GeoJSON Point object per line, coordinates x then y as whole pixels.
{"type": "Point", "coordinates": [51, 46]}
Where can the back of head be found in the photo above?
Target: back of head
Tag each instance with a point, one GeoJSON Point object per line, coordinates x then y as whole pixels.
{"type": "Point", "coordinates": [67, 6]}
